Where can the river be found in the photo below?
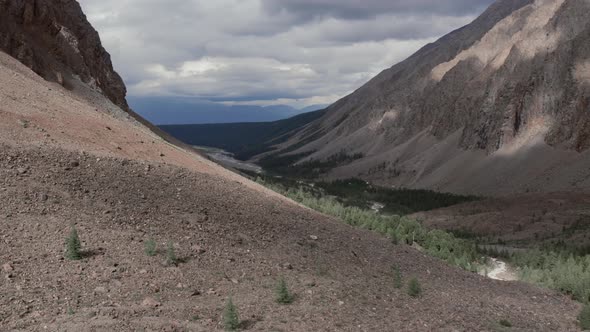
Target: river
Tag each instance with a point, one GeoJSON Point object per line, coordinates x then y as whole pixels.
{"type": "Point", "coordinates": [227, 159]}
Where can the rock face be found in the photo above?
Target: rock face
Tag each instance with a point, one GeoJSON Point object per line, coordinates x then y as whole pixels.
{"type": "Point", "coordinates": [516, 78]}
{"type": "Point", "coordinates": [54, 39]}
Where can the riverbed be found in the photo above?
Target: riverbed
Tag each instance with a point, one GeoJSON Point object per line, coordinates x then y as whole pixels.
{"type": "Point", "coordinates": [227, 159]}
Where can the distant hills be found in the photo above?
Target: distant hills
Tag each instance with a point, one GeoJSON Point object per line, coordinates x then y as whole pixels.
{"type": "Point", "coordinates": [179, 110]}
{"type": "Point", "coordinates": [245, 139]}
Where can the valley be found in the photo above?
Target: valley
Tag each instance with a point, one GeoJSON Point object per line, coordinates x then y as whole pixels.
{"type": "Point", "coordinates": [448, 193]}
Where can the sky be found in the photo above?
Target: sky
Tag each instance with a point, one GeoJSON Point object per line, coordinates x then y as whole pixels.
{"type": "Point", "coordinates": [266, 52]}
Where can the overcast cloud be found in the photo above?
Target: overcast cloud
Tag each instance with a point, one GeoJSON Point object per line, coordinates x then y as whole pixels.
{"type": "Point", "coordinates": [296, 52]}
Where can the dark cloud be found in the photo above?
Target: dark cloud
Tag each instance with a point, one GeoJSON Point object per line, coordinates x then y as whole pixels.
{"type": "Point", "coordinates": [363, 9]}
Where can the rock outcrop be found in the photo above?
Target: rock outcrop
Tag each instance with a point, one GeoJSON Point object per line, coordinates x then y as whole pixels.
{"type": "Point", "coordinates": [54, 39]}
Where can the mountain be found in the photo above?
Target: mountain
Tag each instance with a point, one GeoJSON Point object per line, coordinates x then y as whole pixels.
{"type": "Point", "coordinates": [179, 110]}
{"type": "Point", "coordinates": [499, 106]}
{"type": "Point", "coordinates": [167, 236]}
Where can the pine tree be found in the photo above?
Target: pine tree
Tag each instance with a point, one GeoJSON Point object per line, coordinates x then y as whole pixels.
{"type": "Point", "coordinates": [397, 278]}
{"type": "Point", "coordinates": [171, 255]}
{"type": "Point", "coordinates": [150, 247]}
{"type": "Point", "coordinates": [231, 321]}
{"type": "Point", "coordinates": [283, 295]}
{"type": "Point", "coordinates": [414, 288]}
{"type": "Point", "coordinates": [73, 245]}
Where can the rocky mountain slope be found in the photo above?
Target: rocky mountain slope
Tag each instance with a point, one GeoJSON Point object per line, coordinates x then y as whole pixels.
{"type": "Point", "coordinates": [54, 39]}
{"type": "Point", "coordinates": [71, 156]}
{"type": "Point", "coordinates": [499, 106]}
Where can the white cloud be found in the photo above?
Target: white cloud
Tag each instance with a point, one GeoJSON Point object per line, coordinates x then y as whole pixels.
{"type": "Point", "coordinates": [258, 52]}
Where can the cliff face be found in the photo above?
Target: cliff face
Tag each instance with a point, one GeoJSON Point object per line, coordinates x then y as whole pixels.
{"type": "Point", "coordinates": [54, 39]}
{"type": "Point", "coordinates": [516, 78]}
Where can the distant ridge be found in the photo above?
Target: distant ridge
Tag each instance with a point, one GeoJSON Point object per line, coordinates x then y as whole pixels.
{"type": "Point", "coordinates": [182, 110]}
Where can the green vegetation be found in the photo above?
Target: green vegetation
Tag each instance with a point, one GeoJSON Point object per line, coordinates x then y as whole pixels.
{"type": "Point", "coordinates": [584, 317]}
{"type": "Point", "coordinates": [171, 258]}
{"type": "Point", "coordinates": [397, 278]}
{"type": "Point", "coordinates": [565, 272]}
{"type": "Point", "coordinates": [437, 243]}
{"type": "Point", "coordinates": [505, 323]}
{"type": "Point", "coordinates": [359, 193]}
{"type": "Point", "coordinates": [356, 192]}
{"type": "Point", "coordinates": [150, 247]}
{"type": "Point", "coordinates": [231, 321]}
{"type": "Point", "coordinates": [283, 296]}
{"type": "Point", "coordinates": [414, 288]}
{"type": "Point", "coordinates": [73, 245]}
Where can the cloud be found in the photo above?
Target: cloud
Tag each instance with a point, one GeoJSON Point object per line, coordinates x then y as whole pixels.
{"type": "Point", "coordinates": [367, 9]}
{"type": "Point", "coordinates": [297, 52]}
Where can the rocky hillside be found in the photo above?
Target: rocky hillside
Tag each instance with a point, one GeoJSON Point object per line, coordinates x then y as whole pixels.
{"type": "Point", "coordinates": [499, 106]}
{"type": "Point", "coordinates": [54, 39]}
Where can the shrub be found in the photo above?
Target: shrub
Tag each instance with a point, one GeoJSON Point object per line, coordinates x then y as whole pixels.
{"type": "Point", "coordinates": [397, 278]}
{"type": "Point", "coordinates": [171, 255]}
{"type": "Point", "coordinates": [505, 323]}
{"type": "Point", "coordinates": [150, 247]}
{"type": "Point", "coordinates": [283, 295]}
{"type": "Point", "coordinates": [414, 288]}
{"type": "Point", "coordinates": [231, 321]}
{"type": "Point", "coordinates": [584, 317]}
{"type": "Point", "coordinates": [73, 245]}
